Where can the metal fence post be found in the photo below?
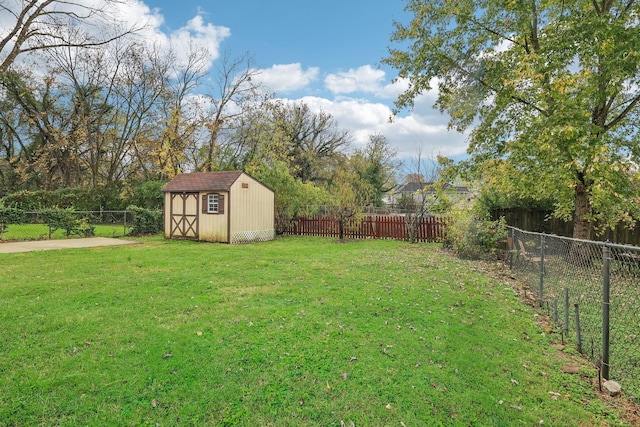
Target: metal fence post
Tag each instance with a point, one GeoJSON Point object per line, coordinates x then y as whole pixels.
{"type": "Point", "coordinates": [566, 312]}
{"type": "Point", "coordinates": [512, 249]}
{"type": "Point", "coordinates": [606, 302]}
{"type": "Point", "coordinates": [541, 288]}
{"type": "Point", "coordinates": [578, 330]}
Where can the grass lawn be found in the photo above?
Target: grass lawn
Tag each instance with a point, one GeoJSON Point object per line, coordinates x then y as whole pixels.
{"type": "Point", "coordinates": [41, 232]}
{"type": "Point", "coordinates": [298, 331]}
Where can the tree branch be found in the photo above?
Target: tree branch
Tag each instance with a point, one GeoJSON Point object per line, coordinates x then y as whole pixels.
{"type": "Point", "coordinates": [632, 104]}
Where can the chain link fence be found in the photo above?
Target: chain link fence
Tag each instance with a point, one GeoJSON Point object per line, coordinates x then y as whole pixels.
{"type": "Point", "coordinates": [33, 226]}
{"type": "Point", "coordinates": [591, 291]}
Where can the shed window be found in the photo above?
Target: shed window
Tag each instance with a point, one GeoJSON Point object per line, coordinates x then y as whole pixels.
{"type": "Point", "coordinates": [212, 203]}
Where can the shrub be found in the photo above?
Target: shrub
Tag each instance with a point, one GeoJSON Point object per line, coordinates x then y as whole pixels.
{"type": "Point", "coordinates": [146, 221]}
{"type": "Point", "coordinates": [82, 199]}
{"type": "Point", "coordinates": [67, 220]}
{"type": "Point", "coordinates": [147, 194]}
{"type": "Point", "coordinates": [472, 237]}
{"type": "Point", "coordinates": [9, 215]}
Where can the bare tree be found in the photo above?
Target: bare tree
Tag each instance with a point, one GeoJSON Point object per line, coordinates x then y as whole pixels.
{"type": "Point", "coordinates": [183, 114]}
{"type": "Point", "coordinates": [35, 25]}
{"type": "Point", "coordinates": [234, 92]}
{"type": "Point", "coordinates": [423, 173]}
{"type": "Point", "coordinates": [313, 140]}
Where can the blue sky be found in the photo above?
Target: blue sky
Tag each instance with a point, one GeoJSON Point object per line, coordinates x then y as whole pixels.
{"type": "Point", "coordinates": [333, 34]}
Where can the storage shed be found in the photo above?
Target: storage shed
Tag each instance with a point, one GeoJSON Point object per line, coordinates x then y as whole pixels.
{"type": "Point", "coordinates": [227, 206]}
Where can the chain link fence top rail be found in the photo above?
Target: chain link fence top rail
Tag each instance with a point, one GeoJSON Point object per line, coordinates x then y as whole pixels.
{"type": "Point", "coordinates": [103, 223]}
{"type": "Point", "coordinates": [591, 291]}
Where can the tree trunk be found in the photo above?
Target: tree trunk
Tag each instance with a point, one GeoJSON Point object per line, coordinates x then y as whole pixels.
{"type": "Point", "coordinates": [411, 219]}
{"type": "Point", "coordinates": [581, 224]}
{"type": "Point", "coordinates": [580, 253]}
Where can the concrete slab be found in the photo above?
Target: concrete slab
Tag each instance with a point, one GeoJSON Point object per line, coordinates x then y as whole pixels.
{"type": "Point", "coordinates": [43, 245]}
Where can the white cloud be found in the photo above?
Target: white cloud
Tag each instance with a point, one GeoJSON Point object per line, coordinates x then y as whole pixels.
{"type": "Point", "coordinates": [362, 79]}
{"type": "Point", "coordinates": [366, 80]}
{"type": "Point", "coordinates": [285, 78]}
{"type": "Point", "coordinates": [363, 118]}
{"type": "Point", "coordinates": [195, 35]}
{"type": "Point", "coordinates": [198, 34]}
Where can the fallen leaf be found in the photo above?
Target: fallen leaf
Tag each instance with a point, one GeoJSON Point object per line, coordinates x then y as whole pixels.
{"type": "Point", "coordinates": [199, 333]}
{"type": "Point", "coordinates": [554, 395]}
{"type": "Point", "coordinates": [154, 403]}
{"type": "Point", "coordinates": [168, 355]}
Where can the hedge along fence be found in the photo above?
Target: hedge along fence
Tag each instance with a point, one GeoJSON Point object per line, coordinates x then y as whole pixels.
{"type": "Point", "coordinates": [56, 223]}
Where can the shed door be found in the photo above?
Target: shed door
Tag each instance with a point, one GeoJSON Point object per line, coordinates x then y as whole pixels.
{"type": "Point", "coordinates": [184, 215]}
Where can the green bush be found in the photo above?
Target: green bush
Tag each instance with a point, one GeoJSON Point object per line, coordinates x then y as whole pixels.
{"type": "Point", "coordinates": [472, 237]}
{"type": "Point", "coordinates": [146, 221]}
{"type": "Point", "coordinates": [67, 220]}
{"type": "Point", "coordinates": [80, 199]}
{"type": "Point", "coordinates": [9, 215]}
{"type": "Point", "coordinates": [147, 194]}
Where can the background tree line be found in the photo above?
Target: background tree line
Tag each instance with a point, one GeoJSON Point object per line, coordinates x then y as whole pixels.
{"type": "Point", "coordinates": [109, 118]}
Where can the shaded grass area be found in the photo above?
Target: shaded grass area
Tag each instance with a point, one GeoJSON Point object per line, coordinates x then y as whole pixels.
{"type": "Point", "coordinates": [584, 286]}
{"type": "Point", "coordinates": [299, 331]}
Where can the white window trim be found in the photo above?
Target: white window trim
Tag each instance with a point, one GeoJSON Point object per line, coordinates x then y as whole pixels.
{"type": "Point", "coordinates": [212, 203]}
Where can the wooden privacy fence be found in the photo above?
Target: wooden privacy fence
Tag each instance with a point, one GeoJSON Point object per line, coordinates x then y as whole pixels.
{"type": "Point", "coordinates": [429, 229]}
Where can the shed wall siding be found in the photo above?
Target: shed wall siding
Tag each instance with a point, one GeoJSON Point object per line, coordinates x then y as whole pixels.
{"type": "Point", "coordinates": [213, 227]}
{"type": "Point", "coordinates": [252, 211]}
{"type": "Point", "coordinates": [252, 207]}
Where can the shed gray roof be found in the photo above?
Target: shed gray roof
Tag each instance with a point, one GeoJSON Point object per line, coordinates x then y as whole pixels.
{"type": "Point", "coordinates": [203, 181]}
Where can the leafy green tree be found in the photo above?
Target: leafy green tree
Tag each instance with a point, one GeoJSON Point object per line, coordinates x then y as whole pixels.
{"type": "Point", "coordinates": [376, 164]}
{"type": "Point", "coordinates": [550, 89]}
{"type": "Point", "coordinates": [293, 198]}
{"type": "Point", "coordinates": [348, 196]}
{"type": "Point", "coordinates": [312, 142]}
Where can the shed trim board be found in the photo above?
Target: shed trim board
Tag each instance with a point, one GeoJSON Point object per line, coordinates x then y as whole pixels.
{"type": "Point", "coordinates": [229, 217]}
{"type": "Point", "coordinates": [181, 223]}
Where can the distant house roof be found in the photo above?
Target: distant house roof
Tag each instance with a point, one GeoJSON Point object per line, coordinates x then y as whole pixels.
{"type": "Point", "coordinates": [202, 181]}
{"type": "Point", "coordinates": [412, 187]}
